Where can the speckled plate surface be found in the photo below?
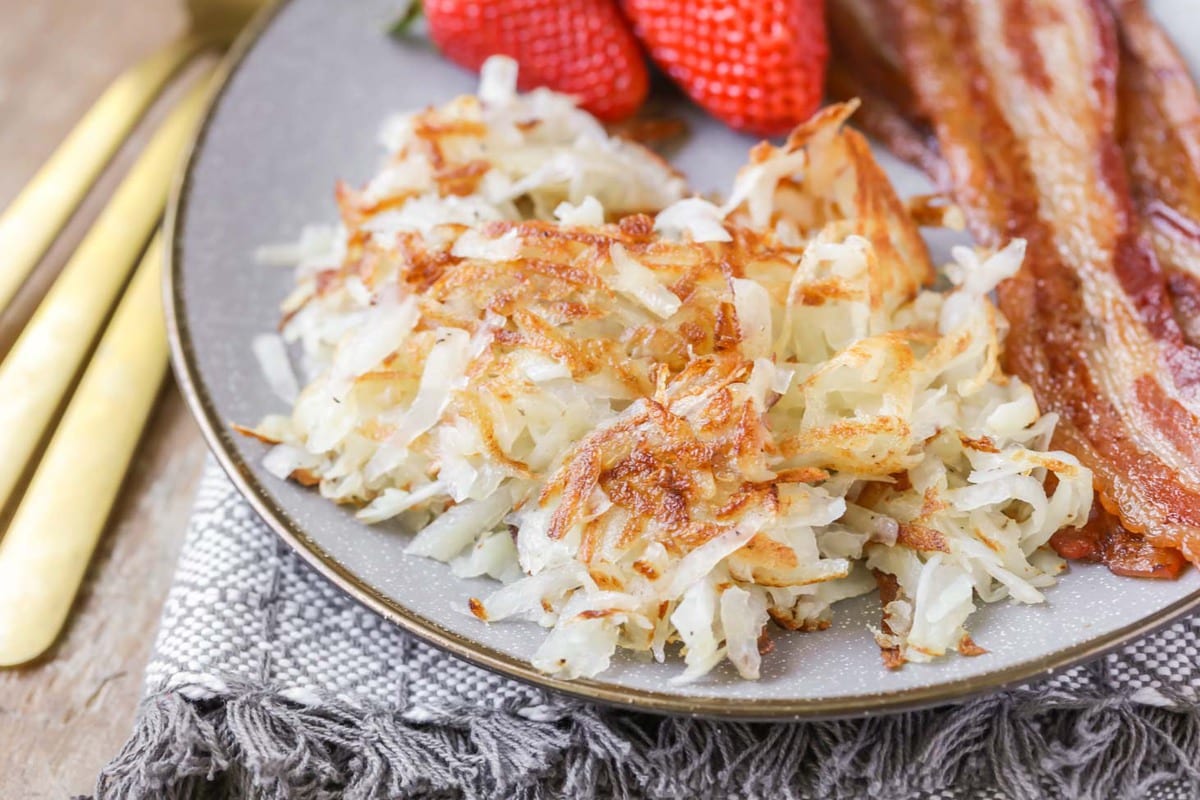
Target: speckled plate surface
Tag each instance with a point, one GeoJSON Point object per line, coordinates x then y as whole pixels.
{"type": "Point", "coordinates": [300, 109]}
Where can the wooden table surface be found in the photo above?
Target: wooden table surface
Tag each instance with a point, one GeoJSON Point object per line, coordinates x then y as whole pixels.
{"type": "Point", "coordinates": [62, 718]}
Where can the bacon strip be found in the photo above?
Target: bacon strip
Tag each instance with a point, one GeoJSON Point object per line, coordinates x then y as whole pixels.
{"type": "Point", "coordinates": [1159, 131]}
{"type": "Point", "coordinates": [866, 64]}
{"type": "Point", "coordinates": [1159, 135]}
{"type": "Point", "coordinates": [1158, 128]}
{"type": "Point", "coordinates": [1106, 540]}
{"type": "Point", "coordinates": [1023, 99]}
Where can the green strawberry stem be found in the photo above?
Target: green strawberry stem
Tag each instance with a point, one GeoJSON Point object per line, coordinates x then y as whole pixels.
{"type": "Point", "coordinates": [402, 26]}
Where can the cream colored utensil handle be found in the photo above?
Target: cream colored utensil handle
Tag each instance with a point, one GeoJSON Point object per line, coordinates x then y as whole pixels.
{"type": "Point", "coordinates": [46, 550]}
{"type": "Point", "coordinates": [30, 223]}
{"type": "Point", "coordinates": [39, 369]}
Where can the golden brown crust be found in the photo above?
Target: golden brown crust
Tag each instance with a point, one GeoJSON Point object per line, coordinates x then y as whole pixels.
{"type": "Point", "coordinates": [304, 477]}
{"type": "Point", "coordinates": [253, 434]}
{"type": "Point", "coordinates": [923, 538]}
{"type": "Point", "coordinates": [476, 607]}
{"type": "Point", "coordinates": [967, 647]}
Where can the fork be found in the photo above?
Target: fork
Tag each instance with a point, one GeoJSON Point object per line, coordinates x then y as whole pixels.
{"type": "Point", "coordinates": [46, 548]}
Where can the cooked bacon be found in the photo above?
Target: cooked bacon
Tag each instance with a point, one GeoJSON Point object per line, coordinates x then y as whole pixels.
{"type": "Point", "coordinates": [1159, 131]}
{"type": "Point", "coordinates": [866, 64]}
{"type": "Point", "coordinates": [1105, 540]}
{"type": "Point", "coordinates": [1023, 99]}
{"type": "Point", "coordinates": [1159, 135]}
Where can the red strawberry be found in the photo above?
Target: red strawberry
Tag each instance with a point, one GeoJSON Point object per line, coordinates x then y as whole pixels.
{"type": "Point", "coordinates": [758, 65]}
{"type": "Point", "coordinates": [580, 47]}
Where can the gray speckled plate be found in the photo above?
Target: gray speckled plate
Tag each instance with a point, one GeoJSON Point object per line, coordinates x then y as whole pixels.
{"type": "Point", "coordinates": [299, 110]}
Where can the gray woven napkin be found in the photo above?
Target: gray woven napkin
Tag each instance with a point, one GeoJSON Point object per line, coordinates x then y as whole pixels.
{"type": "Point", "coordinates": [266, 681]}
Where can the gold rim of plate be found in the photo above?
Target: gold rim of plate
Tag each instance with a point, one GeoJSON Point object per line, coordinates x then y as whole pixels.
{"type": "Point", "coordinates": [218, 435]}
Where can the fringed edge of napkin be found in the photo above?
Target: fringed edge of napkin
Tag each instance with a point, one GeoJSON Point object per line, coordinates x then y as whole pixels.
{"type": "Point", "coordinates": [246, 741]}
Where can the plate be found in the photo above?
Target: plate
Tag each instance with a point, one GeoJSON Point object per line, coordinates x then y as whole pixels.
{"type": "Point", "coordinates": [302, 101]}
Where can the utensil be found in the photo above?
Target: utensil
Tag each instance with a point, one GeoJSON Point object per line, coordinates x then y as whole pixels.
{"type": "Point", "coordinates": [303, 111]}
{"type": "Point", "coordinates": [39, 368]}
{"type": "Point", "coordinates": [46, 549]}
{"type": "Point", "coordinates": [39, 212]}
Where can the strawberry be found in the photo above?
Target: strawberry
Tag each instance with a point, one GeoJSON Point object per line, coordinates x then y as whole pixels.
{"type": "Point", "coordinates": [580, 47]}
{"type": "Point", "coordinates": [758, 65]}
